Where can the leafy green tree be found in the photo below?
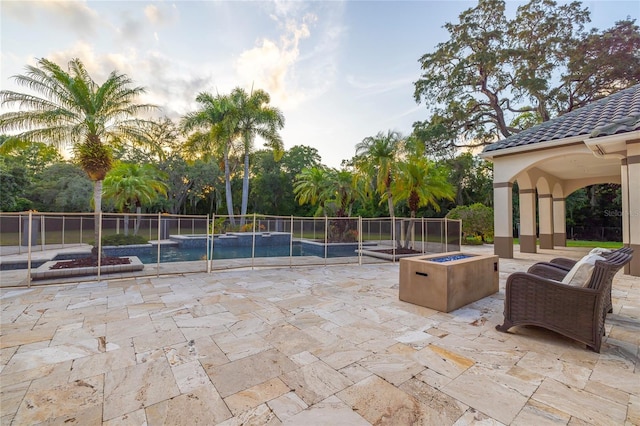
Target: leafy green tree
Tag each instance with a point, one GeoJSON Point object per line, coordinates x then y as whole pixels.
{"type": "Point", "coordinates": [72, 108]}
{"type": "Point", "coordinates": [13, 181]}
{"type": "Point", "coordinates": [477, 221]}
{"type": "Point", "coordinates": [61, 187]}
{"type": "Point", "coordinates": [33, 156]}
{"type": "Point", "coordinates": [299, 157]}
{"type": "Point", "coordinates": [132, 186]}
{"type": "Point", "coordinates": [420, 182]}
{"type": "Point", "coordinates": [375, 159]}
{"type": "Point", "coordinates": [271, 189]}
{"type": "Point", "coordinates": [472, 177]}
{"type": "Point", "coordinates": [492, 69]}
{"type": "Point", "coordinates": [255, 118]}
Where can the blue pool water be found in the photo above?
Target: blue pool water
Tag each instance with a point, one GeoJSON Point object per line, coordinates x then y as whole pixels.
{"type": "Point", "coordinates": [450, 258]}
{"type": "Point", "coordinates": [189, 254]}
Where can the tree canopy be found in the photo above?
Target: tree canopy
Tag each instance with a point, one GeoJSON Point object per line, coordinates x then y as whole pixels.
{"type": "Point", "coordinates": [495, 76]}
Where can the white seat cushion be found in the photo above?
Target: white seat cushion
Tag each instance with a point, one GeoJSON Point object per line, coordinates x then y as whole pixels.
{"type": "Point", "coordinates": [580, 274]}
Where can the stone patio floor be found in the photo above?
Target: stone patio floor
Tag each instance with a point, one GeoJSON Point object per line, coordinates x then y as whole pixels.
{"type": "Point", "coordinates": [302, 346]}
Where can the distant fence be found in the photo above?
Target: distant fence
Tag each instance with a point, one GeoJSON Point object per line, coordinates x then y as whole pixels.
{"type": "Point", "coordinates": [199, 240]}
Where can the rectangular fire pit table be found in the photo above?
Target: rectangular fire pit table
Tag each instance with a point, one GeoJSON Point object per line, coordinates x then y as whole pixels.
{"type": "Point", "coordinates": [447, 281]}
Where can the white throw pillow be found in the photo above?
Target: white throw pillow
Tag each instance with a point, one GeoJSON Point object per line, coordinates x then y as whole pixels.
{"type": "Point", "coordinates": [580, 274]}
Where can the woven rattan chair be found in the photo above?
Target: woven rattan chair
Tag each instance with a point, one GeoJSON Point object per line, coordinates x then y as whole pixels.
{"type": "Point", "coordinates": [566, 263]}
{"type": "Point", "coordinates": [557, 268]}
{"type": "Point", "coordinates": [575, 312]}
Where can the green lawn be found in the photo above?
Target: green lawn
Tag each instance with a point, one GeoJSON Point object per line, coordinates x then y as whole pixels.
{"type": "Point", "coordinates": [588, 244]}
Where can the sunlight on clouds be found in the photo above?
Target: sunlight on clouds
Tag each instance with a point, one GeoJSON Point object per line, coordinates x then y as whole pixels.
{"type": "Point", "coordinates": [75, 15]}
{"type": "Point", "coordinates": [271, 65]}
{"type": "Point", "coordinates": [161, 15]}
{"type": "Point", "coordinates": [152, 13]}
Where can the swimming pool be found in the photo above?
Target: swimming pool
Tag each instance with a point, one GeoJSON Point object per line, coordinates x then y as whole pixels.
{"type": "Point", "coordinates": [190, 254]}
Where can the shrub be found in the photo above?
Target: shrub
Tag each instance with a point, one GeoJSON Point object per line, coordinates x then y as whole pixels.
{"type": "Point", "coordinates": [123, 240]}
{"type": "Point", "coordinates": [477, 221]}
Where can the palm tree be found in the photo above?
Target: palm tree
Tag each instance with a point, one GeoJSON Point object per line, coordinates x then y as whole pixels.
{"type": "Point", "coordinates": [421, 183]}
{"type": "Point", "coordinates": [133, 185]}
{"type": "Point", "coordinates": [255, 118]}
{"type": "Point", "coordinates": [217, 120]}
{"type": "Point", "coordinates": [375, 158]}
{"type": "Point", "coordinates": [72, 109]}
{"type": "Point", "coordinates": [311, 186]}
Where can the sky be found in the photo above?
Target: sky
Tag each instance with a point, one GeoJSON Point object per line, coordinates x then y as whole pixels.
{"type": "Point", "coordinates": [340, 71]}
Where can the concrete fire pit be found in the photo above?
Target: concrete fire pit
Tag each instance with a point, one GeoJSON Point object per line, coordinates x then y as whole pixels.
{"type": "Point", "coordinates": [447, 281]}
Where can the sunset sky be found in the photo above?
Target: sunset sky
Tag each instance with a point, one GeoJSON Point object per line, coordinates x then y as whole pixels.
{"type": "Point", "coordinates": [339, 70]}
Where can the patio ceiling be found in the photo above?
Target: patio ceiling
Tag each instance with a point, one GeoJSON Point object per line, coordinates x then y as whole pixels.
{"type": "Point", "coordinates": [580, 166]}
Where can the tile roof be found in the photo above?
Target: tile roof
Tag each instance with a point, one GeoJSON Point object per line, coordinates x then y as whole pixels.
{"type": "Point", "coordinates": [617, 113]}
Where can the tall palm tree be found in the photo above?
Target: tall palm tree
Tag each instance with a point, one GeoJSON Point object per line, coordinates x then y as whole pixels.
{"type": "Point", "coordinates": [132, 185]}
{"type": "Point", "coordinates": [255, 118]}
{"type": "Point", "coordinates": [421, 182]}
{"type": "Point", "coordinates": [376, 156]}
{"type": "Point", "coordinates": [217, 120]}
{"type": "Point", "coordinates": [70, 108]}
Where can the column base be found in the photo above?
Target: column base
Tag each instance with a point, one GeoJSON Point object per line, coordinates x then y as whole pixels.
{"type": "Point", "coordinates": [560, 239]}
{"type": "Point", "coordinates": [546, 241]}
{"type": "Point", "coordinates": [503, 247]}
{"type": "Point", "coordinates": [633, 268]}
{"type": "Point", "coordinates": [528, 244]}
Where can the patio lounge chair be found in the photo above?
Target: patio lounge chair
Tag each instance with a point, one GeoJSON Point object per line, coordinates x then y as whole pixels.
{"type": "Point", "coordinates": [575, 312]}
{"type": "Point", "coordinates": [566, 263]}
{"type": "Point", "coordinates": [558, 268]}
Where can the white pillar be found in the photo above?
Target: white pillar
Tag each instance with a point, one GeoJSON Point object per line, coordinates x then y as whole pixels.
{"type": "Point", "coordinates": [632, 213]}
{"type": "Point", "coordinates": [559, 222]}
{"type": "Point", "coordinates": [527, 220]}
{"type": "Point", "coordinates": [545, 217]}
{"type": "Point", "coordinates": [503, 219]}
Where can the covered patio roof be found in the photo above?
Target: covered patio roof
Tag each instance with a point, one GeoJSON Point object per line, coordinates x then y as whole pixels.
{"type": "Point", "coordinates": [598, 143]}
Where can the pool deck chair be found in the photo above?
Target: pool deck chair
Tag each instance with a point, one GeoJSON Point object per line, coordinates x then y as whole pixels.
{"type": "Point", "coordinates": [576, 312]}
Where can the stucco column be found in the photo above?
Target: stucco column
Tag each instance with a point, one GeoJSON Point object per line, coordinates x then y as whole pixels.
{"type": "Point", "coordinates": [559, 222]}
{"type": "Point", "coordinates": [527, 220]}
{"type": "Point", "coordinates": [545, 218]}
{"type": "Point", "coordinates": [503, 219]}
{"type": "Point", "coordinates": [632, 213]}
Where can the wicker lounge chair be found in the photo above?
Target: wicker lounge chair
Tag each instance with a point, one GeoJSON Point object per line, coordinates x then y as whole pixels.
{"type": "Point", "coordinates": [566, 263]}
{"type": "Point", "coordinates": [575, 312]}
{"type": "Point", "coordinates": [557, 268]}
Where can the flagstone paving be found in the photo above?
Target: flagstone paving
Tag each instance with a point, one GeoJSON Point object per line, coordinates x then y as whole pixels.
{"type": "Point", "coordinates": [302, 346]}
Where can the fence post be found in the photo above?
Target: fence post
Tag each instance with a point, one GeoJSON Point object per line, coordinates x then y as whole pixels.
{"type": "Point", "coordinates": [291, 243]}
{"type": "Point", "coordinates": [63, 224]}
{"type": "Point", "coordinates": [158, 263]}
{"type": "Point", "coordinates": [446, 236]}
{"type": "Point", "coordinates": [19, 233]}
{"type": "Point", "coordinates": [360, 247]}
{"type": "Point", "coordinates": [208, 248]}
{"type": "Point", "coordinates": [99, 242]}
{"type": "Point", "coordinates": [80, 230]}
{"type": "Point", "coordinates": [393, 237]}
{"type": "Point", "coordinates": [29, 251]}
{"type": "Point", "coordinates": [253, 242]}
{"type": "Point", "coordinates": [423, 240]}
{"type": "Point", "coordinates": [326, 238]}
{"type": "Point", "coordinates": [42, 233]}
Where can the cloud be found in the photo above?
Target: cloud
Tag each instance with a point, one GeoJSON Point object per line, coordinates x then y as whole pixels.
{"type": "Point", "coordinates": [300, 64]}
{"type": "Point", "coordinates": [161, 15]}
{"type": "Point", "coordinates": [74, 15]}
{"type": "Point", "coordinates": [271, 64]}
